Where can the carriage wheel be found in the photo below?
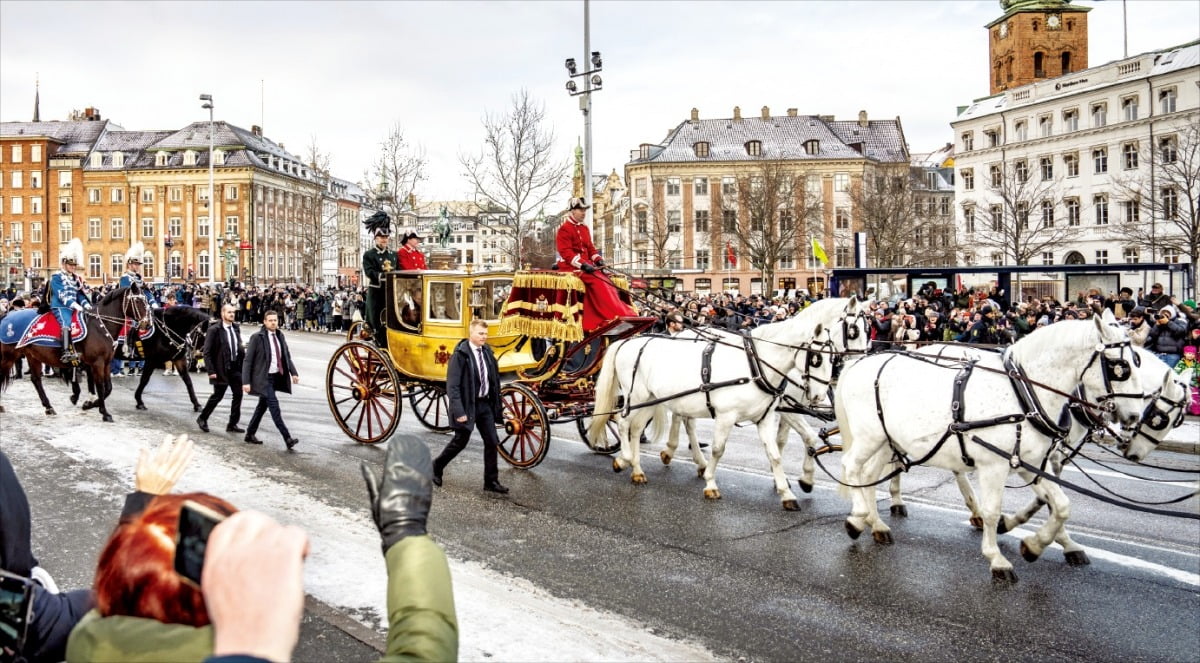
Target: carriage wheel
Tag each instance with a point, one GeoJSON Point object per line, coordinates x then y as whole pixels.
{"type": "Point", "coordinates": [526, 437]}
{"type": "Point", "coordinates": [356, 331]}
{"type": "Point", "coordinates": [432, 407]}
{"type": "Point", "coordinates": [612, 441]}
{"type": "Point", "coordinates": [363, 392]}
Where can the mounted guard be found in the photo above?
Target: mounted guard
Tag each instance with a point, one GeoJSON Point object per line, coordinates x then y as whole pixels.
{"type": "Point", "coordinates": [67, 296]}
{"type": "Point", "coordinates": [375, 263]}
{"type": "Point", "coordinates": [133, 276]}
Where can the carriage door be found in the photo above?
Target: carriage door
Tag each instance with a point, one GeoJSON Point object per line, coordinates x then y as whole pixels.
{"type": "Point", "coordinates": [404, 313]}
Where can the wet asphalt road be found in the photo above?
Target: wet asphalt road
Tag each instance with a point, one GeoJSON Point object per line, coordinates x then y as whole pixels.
{"type": "Point", "coordinates": [744, 577]}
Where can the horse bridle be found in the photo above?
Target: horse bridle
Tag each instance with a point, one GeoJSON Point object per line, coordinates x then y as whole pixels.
{"type": "Point", "coordinates": [1157, 419]}
{"type": "Point", "coordinates": [1114, 370]}
{"type": "Point", "coordinates": [816, 358]}
{"type": "Point", "coordinates": [128, 301]}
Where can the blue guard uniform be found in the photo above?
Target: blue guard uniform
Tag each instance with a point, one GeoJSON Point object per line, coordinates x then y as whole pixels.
{"type": "Point", "coordinates": [67, 295]}
{"type": "Point", "coordinates": [130, 278]}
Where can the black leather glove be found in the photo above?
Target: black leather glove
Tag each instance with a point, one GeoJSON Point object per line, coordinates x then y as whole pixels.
{"type": "Point", "coordinates": [600, 262]}
{"type": "Point", "coordinates": [587, 267]}
{"type": "Point", "coordinates": [400, 500]}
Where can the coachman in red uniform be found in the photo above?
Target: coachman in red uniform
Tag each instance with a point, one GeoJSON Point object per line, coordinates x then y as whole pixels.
{"type": "Point", "coordinates": [410, 253]}
{"type": "Point", "coordinates": [577, 253]}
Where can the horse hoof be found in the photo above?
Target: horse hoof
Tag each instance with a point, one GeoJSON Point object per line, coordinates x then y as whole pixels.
{"type": "Point", "coordinates": [1004, 577]}
{"type": "Point", "coordinates": [883, 538]}
{"type": "Point", "coordinates": [805, 486]}
{"type": "Point", "coordinates": [141, 406]}
{"type": "Point", "coordinates": [196, 407]}
{"type": "Point", "coordinates": [853, 531]}
{"type": "Point", "coordinates": [108, 418]}
{"type": "Point", "coordinates": [791, 505]}
{"type": "Point", "coordinates": [899, 510]}
{"type": "Point", "coordinates": [1028, 553]}
{"type": "Point", "coordinates": [638, 477]}
{"type": "Point", "coordinates": [50, 411]}
{"type": "Point", "coordinates": [1077, 558]}
{"type": "Point", "coordinates": [712, 494]}
{"type": "Point", "coordinates": [666, 457]}
{"type": "Point", "coordinates": [977, 523]}
{"type": "Point", "coordinates": [75, 399]}
{"type": "Point", "coordinates": [617, 466]}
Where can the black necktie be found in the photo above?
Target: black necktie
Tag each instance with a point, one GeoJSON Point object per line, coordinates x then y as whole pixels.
{"type": "Point", "coordinates": [482, 372]}
{"type": "Point", "coordinates": [232, 344]}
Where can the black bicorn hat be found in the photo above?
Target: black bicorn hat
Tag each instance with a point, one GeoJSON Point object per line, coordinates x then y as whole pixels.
{"type": "Point", "coordinates": [408, 237]}
{"type": "Point", "coordinates": [379, 223]}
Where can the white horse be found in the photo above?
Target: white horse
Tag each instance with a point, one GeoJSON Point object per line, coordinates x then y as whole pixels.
{"type": "Point", "coordinates": [1164, 411]}
{"type": "Point", "coordinates": [750, 373]}
{"type": "Point", "coordinates": [907, 404]}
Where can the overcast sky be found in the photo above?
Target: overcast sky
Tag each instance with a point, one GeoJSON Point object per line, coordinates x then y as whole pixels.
{"type": "Point", "coordinates": [344, 72]}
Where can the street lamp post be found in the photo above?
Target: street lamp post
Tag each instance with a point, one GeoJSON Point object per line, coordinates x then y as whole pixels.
{"type": "Point", "coordinates": [212, 221]}
{"type": "Point", "coordinates": [229, 251]}
{"type": "Point", "coordinates": [591, 83]}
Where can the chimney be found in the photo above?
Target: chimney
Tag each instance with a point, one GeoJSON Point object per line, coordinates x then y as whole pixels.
{"type": "Point", "coordinates": [862, 119]}
{"type": "Point", "coordinates": [792, 112]}
{"type": "Point", "coordinates": [825, 118]}
{"type": "Point", "coordinates": [91, 114]}
{"type": "Point", "coordinates": [766, 113]}
{"type": "Point", "coordinates": [256, 130]}
{"type": "Point", "coordinates": [695, 115]}
{"type": "Point", "coordinates": [737, 113]}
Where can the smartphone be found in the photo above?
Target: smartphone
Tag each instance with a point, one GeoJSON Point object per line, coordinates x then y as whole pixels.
{"type": "Point", "coordinates": [16, 608]}
{"type": "Point", "coordinates": [196, 522]}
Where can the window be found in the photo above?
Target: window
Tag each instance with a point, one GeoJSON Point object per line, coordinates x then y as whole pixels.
{"type": "Point", "coordinates": [996, 176]}
{"type": "Point", "coordinates": [93, 195]}
{"type": "Point", "coordinates": [1071, 119]}
{"type": "Point", "coordinates": [1170, 203]}
{"type": "Point", "coordinates": [1129, 107]}
{"type": "Point", "coordinates": [1021, 129]}
{"type": "Point", "coordinates": [16, 232]}
{"type": "Point", "coordinates": [842, 218]}
{"type": "Point", "coordinates": [147, 194]}
{"type": "Point", "coordinates": [1047, 257]}
{"type": "Point", "coordinates": [117, 195]}
{"type": "Point", "coordinates": [35, 153]}
{"type": "Point", "coordinates": [812, 147]}
{"type": "Point", "coordinates": [160, 158]}
{"type": "Point", "coordinates": [35, 232]}
{"type": "Point", "coordinates": [1130, 211]}
{"type": "Point", "coordinates": [1023, 215]}
{"type": "Point", "coordinates": [639, 189]}
{"type": "Point", "coordinates": [1168, 149]}
{"type": "Point", "coordinates": [1166, 100]}
{"type": "Point", "coordinates": [1021, 168]}
{"type": "Point", "coordinates": [35, 204]}
{"type": "Point", "coordinates": [997, 258]}
{"type": "Point", "coordinates": [65, 232]}
{"type": "Point", "coordinates": [118, 159]}
{"type": "Point", "coordinates": [674, 222]}
{"type": "Point", "coordinates": [115, 263]}
{"type": "Point", "coordinates": [96, 160]}
{"type": "Point", "coordinates": [202, 194]}
{"type": "Point", "coordinates": [1065, 61]}
{"type": "Point", "coordinates": [1047, 167]}
{"type": "Point", "coordinates": [1099, 115]}
{"type": "Point", "coordinates": [1129, 156]}
{"type": "Point", "coordinates": [1071, 161]}
{"type": "Point", "coordinates": [968, 179]}
{"type": "Point", "coordinates": [700, 186]}
{"type": "Point", "coordinates": [1171, 255]}
{"type": "Point", "coordinates": [1130, 255]}
{"type": "Point", "coordinates": [1072, 211]}
{"type": "Point", "coordinates": [16, 154]}
{"type": "Point", "coordinates": [1039, 68]}
{"type": "Point", "coordinates": [729, 221]}
{"type": "Point", "coordinates": [703, 259]}
{"type": "Point", "coordinates": [944, 206]}
{"type": "Point", "coordinates": [754, 148]}
{"type": "Point", "coordinates": [701, 149]}
{"type": "Point", "coordinates": [841, 181]}
{"type": "Point", "coordinates": [787, 261]}
{"type": "Point", "coordinates": [175, 194]}
{"type": "Point", "coordinates": [996, 213]}
{"type": "Point", "coordinates": [35, 179]}
{"type": "Point", "coordinates": [201, 225]}
{"type": "Point", "coordinates": [189, 157]}
{"type": "Point", "coordinates": [1047, 214]}
{"type": "Point", "coordinates": [968, 219]}
{"type": "Point", "coordinates": [16, 179]}
{"type": "Point", "coordinates": [117, 228]}
{"type": "Point", "coordinates": [95, 224]}
{"type": "Point", "coordinates": [18, 206]}
{"type": "Point", "coordinates": [202, 263]}
{"type": "Point", "coordinates": [702, 219]}
{"type": "Point", "coordinates": [35, 258]}
{"type": "Point", "coordinates": [174, 227]}
{"type": "Point", "coordinates": [639, 218]}
{"type": "Point", "coordinates": [94, 265]}
{"type": "Point", "coordinates": [993, 137]}
{"type": "Point", "coordinates": [148, 226]}
{"type": "Point", "coordinates": [64, 205]}
{"type": "Point", "coordinates": [231, 226]}
{"type": "Point", "coordinates": [786, 221]}
{"type": "Point", "coordinates": [1102, 256]}
{"type": "Point", "coordinates": [1100, 160]}
{"type": "Point", "coordinates": [672, 186]}
{"type": "Point", "coordinates": [726, 255]}
{"type": "Point", "coordinates": [728, 186]}
{"type": "Point", "coordinates": [231, 192]}
{"type": "Point", "coordinates": [1045, 126]}
{"type": "Point", "coordinates": [1100, 205]}
{"type": "Point", "coordinates": [968, 141]}
{"type": "Point", "coordinates": [842, 257]}
{"type": "Point", "coordinates": [148, 265]}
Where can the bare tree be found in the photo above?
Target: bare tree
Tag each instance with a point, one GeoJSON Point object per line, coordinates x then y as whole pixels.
{"type": "Point", "coordinates": [902, 221]}
{"type": "Point", "coordinates": [1166, 207]}
{"type": "Point", "coordinates": [517, 169]}
{"type": "Point", "coordinates": [317, 159]}
{"type": "Point", "coordinates": [397, 170]}
{"type": "Point", "coordinates": [1020, 216]}
{"type": "Point", "coordinates": [662, 225]}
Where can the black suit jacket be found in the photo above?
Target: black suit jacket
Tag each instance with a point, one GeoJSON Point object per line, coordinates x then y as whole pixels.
{"type": "Point", "coordinates": [256, 367]}
{"type": "Point", "coordinates": [462, 384]}
{"type": "Point", "coordinates": [217, 358]}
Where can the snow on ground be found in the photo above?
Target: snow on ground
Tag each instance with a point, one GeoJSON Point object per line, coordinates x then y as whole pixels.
{"type": "Point", "coordinates": [500, 617]}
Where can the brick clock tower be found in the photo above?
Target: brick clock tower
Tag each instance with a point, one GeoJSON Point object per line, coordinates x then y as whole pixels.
{"type": "Point", "coordinates": [1036, 40]}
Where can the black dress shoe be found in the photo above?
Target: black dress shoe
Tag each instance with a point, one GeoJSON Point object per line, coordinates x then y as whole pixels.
{"type": "Point", "coordinates": [250, 439]}
{"type": "Point", "coordinates": [233, 428]}
{"type": "Point", "coordinates": [494, 487]}
{"type": "Point", "coordinates": [437, 477]}
{"type": "Point", "coordinates": [291, 442]}
{"type": "Point", "coordinates": [202, 423]}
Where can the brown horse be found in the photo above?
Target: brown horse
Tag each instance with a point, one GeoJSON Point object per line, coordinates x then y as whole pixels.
{"type": "Point", "coordinates": [95, 350]}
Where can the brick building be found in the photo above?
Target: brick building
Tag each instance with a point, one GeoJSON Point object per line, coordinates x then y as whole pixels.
{"type": "Point", "coordinates": [1035, 40]}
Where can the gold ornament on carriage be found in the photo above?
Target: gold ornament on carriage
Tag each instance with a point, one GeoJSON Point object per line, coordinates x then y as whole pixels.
{"type": "Point", "coordinates": [540, 305]}
{"type": "Point", "coordinates": [441, 356]}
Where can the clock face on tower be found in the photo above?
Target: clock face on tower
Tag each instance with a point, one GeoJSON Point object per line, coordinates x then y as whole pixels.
{"type": "Point", "coordinates": [1053, 21]}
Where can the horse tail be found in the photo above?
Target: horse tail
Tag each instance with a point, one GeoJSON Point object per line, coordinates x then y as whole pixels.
{"type": "Point", "coordinates": [605, 398]}
{"type": "Point", "coordinates": [6, 375]}
{"type": "Point", "coordinates": [659, 424]}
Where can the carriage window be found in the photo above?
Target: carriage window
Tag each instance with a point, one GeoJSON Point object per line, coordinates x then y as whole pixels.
{"type": "Point", "coordinates": [445, 301]}
{"type": "Point", "coordinates": [488, 298]}
{"type": "Point", "coordinates": [405, 293]}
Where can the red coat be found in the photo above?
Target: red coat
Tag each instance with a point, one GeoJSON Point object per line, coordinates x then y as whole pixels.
{"type": "Point", "coordinates": [410, 259]}
{"type": "Point", "coordinates": [574, 244]}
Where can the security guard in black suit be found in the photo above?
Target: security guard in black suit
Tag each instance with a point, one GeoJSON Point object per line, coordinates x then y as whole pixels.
{"type": "Point", "coordinates": [376, 262]}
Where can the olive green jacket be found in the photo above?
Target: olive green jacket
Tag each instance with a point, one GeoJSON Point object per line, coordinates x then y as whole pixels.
{"type": "Point", "coordinates": [422, 624]}
{"type": "Point", "coordinates": [376, 262]}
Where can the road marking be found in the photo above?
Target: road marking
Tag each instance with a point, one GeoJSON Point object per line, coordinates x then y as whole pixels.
{"type": "Point", "coordinates": [1180, 575]}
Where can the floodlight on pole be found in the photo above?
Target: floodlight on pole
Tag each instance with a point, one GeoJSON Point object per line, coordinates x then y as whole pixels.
{"type": "Point", "coordinates": [212, 222]}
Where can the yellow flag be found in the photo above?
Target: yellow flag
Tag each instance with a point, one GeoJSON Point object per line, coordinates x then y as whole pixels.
{"type": "Point", "coordinates": [819, 252]}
